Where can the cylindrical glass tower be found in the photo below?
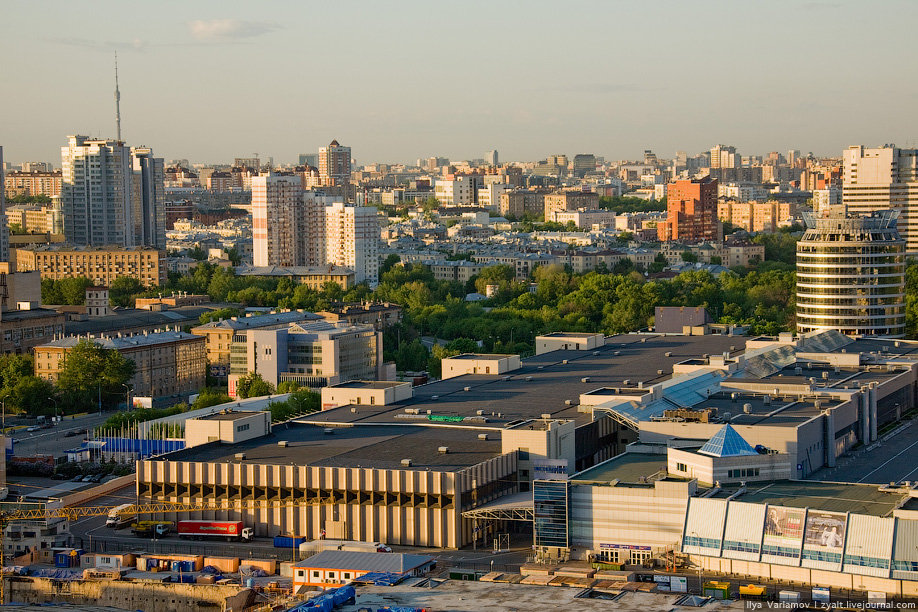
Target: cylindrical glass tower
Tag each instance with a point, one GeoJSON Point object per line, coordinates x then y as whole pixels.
{"type": "Point", "coordinates": [851, 275]}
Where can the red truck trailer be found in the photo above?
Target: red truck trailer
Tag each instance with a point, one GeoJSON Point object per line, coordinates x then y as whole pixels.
{"type": "Point", "coordinates": [214, 530]}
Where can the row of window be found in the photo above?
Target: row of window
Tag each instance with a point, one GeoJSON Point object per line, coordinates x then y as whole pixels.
{"type": "Point", "coordinates": [743, 473]}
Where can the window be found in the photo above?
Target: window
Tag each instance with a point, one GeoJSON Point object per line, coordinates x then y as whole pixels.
{"type": "Point", "coordinates": [315, 574]}
{"type": "Point", "coordinates": [681, 467]}
{"type": "Point", "coordinates": [524, 454]}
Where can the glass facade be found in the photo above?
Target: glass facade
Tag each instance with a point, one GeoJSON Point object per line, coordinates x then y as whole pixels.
{"type": "Point", "coordinates": [851, 276]}
{"type": "Point", "coordinates": [552, 513]}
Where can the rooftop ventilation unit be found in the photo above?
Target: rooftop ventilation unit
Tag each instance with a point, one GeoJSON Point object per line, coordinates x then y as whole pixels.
{"type": "Point", "coordinates": [482, 436]}
{"type": "Point", "coordinates": [585, 379]}
{"type": "Point", "coordinates": [747, 408]}
{"type": "Point", "coordinates": [283, 444]}
{"type": "Point", "coordinates": [239, 456]}
{"type": "Point", "coordinates": [443, 450]}
{"type": "Point", "coordinates": [595, 353]}
{"type": "Point", "coordinates": [668, 354]}
{"type": "Point", "coordinates": [617, 353]}
{"type": "Point", "coordinates": [406, 462]}
{"type": "Point", "coordinates": [547, 416]}
{"type": "Point", "coordinates": [529, 379]}
{"type": "Point", "coordinates": [479, 413]}
{"type": "Point", "coordinates": [467, 389]}
{"type": "Point", "coordinates": [564, 361]}
{"type": "Point", "coordinates": [434, 397]}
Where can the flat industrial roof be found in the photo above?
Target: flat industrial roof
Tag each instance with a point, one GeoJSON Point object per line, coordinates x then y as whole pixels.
{"type": "Point", "coordinates": [825, 496]}
{"type": "Point", "coordinates": [626, 468]}
{"type": "Point", "coordinates": [228, 416]}
{"type": "Point", "coordinates": [546, 384]}
{"type": "Point", "coordinates": [368, 384]}
{"type": "Point", "coordinates": [382, 447]}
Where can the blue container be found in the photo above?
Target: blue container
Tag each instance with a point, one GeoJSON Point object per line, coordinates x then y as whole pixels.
{"type": "Point", "coordinates": [250, 582]}
{"type": "Point", "coordinates": [288, 541]}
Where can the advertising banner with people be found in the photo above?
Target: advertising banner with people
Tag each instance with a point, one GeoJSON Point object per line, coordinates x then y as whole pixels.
{"type": "Point", "coordinates": [783, 526]}
{"type": "Point", "coordinates": [825, 531]}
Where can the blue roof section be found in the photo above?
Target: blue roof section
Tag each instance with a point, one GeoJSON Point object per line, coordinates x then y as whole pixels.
{"type": "Point", "coordinates": [682, 392]}
{"type": "Point", "coordinates": [727, 443]}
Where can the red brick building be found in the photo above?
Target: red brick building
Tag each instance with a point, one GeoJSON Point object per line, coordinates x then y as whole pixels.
{"type": "Point", "coordinates": [691, 212]}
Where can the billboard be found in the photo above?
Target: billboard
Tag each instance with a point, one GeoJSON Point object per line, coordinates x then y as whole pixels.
{"type": "Point", "coordinates": [783, 526]}
{"type": "Point", "coordinates": [549, 469]}
{"type": "Point", "coordinates": [825, 531]}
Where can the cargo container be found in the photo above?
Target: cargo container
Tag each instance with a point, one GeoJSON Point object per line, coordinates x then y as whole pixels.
{"type": "Point", "coordinates": [214, 530]}
{"type": "Point", "coordinates": [288, 541]}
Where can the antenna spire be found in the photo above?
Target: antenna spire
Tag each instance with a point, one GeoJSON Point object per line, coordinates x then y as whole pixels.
{"type": "Point", "coordinates": [117, 99]}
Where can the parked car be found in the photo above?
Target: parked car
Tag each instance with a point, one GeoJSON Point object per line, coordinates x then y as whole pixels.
{"type": "Point", "coordinates": [33, 428]}
{"type": "Point", "coordinates": [59, 476]}
{"type": "Point", "coordinates": [97, 477]}
{"type": "Point", "coordinates": [77, 478]}
{"type": "Point", "coordinates": [87, 478]}
{"type": "Point", "coordinates": [71, 433]}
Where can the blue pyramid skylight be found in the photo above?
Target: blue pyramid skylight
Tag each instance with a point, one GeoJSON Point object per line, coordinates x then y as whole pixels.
{"type": "Point", "coordinates": [727, 443]}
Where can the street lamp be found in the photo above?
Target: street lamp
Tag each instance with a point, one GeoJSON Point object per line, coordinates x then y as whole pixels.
{"type": "Point", "coordinates": [127, 397]}
{"type": "Point", "coordinates": [55, 407]}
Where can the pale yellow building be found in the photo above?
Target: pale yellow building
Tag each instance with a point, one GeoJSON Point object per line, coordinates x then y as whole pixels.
{"type": "Point", "coordinates": [101, 265]}
{"type": "Point", "coordinates": [169, 365]}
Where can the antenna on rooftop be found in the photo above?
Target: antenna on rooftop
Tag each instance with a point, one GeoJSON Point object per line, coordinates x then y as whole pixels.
{"type": "Point", "coordinates": [117, 99]}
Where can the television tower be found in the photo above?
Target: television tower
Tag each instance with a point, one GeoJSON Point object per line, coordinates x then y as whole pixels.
{"type": "Point", "coordinates": [117, 100]}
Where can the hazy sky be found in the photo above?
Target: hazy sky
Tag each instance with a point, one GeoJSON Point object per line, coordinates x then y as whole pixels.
{"type": "Point", "coordinates": [395, 81]}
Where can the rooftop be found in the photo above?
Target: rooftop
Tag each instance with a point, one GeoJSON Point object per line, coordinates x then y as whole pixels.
{"type": "Point", "coordinates": [228, 416]}
{"type": "Point", "coordinates": [368, 384]}
{"type": "Point", "coordinates": [365, 561]}
{"type": "Point", "coordinates": [378, 447]}
{"type": "Point", "coordinates": [124, 342]}
{"type": "Point", "coordinates": [825, 496]}
{"type": "Point", "coordinates": [627, 467]}
{"type": "Point", "coordinates": [276, 318]}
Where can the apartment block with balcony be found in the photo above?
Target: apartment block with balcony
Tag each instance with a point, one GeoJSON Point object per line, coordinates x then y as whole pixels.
{"type": "Point", "coordinates": [101, 265]}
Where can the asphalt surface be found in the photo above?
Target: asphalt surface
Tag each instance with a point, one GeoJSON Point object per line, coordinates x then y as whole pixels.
{"type": "Point", "coordinates": [54, 440]}
{"type": "Point", "coordinates": [893, 458]}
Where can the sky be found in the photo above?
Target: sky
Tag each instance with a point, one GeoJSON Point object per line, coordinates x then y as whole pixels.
{"type": "Point", "coordinates": [396, 81]}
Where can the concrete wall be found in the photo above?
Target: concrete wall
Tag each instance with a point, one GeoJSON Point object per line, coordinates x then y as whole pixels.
{"type": "Point", "coordinates": [480, 364]}
{"type": "Point", "coordinates": [127, 595]}
{"type": "Point", "coordinates": [344, 395]}
{"type": "Point", "coordinates": [571, 342]}
{"type": "Point", "coordinates": [202, 431]}
{"type": "Point", "coordinates": [709, 470]}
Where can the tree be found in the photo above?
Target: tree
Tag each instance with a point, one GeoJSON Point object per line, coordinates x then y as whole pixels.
{"type": "Point", "coordinates": [217, 315]}
{"type": "Point", "coordinates": [208, 397]}
{"type": "Point", "coordinates": [253, 385]}
{"type": "Point", "coordinates": [233, 255]}
{"type": "Point", "coordinates": [659, 263]}
{"type": "Point", "coordinates": [89, 369]}
{"type": "Point", "coordinates": [389, 262]}
{"type": "Point", "coordinates": [689, 257]}
{"type": "Point", "coordinates": [122, 290]}
{"type": "Point", "coordinates": [197, 253]}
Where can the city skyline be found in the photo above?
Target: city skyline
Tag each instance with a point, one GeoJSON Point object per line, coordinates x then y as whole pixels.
{"type": "Point", "coordinates": [408, 81]}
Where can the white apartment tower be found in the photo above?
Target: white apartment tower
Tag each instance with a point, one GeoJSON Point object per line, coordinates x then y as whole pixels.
{"type": "Point", "coordinates": [335, 165]}
{"type": "Point", "coordinates": [287, 222]}
{"type": "Point", "coordinates": [723, 156]}
{"type": "Point", "coordinates": [880, 179]}
{"type": "Point", "coordinates": [96, 192]}
{"type": "Point", "coordinates": [4, 226]}
{"type": "Point", "coordinates": [352, 240]}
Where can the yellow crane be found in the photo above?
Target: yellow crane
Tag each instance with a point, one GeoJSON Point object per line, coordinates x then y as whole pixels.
{"type": "Point", "coordinates": [76, 512]}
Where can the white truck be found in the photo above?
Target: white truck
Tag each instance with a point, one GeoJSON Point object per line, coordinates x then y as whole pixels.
{"type": "Point", "coordinates": [119, 517]}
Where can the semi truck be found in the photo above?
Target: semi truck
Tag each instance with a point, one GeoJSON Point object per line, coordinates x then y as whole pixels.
{"type": "Point", "coordinates": [147, 529]}
{"type": "Point", "coordinates": [215, 530]}
{"type": "Point", "coordinates": [119, 518]}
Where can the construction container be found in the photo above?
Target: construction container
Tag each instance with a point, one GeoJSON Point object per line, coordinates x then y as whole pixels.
{"type": "Point", "coordinates": [227, 565]}
{"type": "Point", "coordinates": [288, 541]}
{"type": "Point", "coordinates": [717, 590]}
{"type": "Point", "coordinates": [68, 557]}
{"type": "Point", "coordinates": [205, 580]}
{"type": "Point", "coordinates": [268, 565]}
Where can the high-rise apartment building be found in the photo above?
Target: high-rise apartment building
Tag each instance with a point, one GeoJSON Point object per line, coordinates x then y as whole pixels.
{"type": "Point", "coordinates": [96, 192]}
{"type": "Point", "coordinates": [352, 240]}
{"type": "Point", "coordinates": [335, 165]}
{"type": "Point", "coordinates": [492, 158]}
{"type": "Point", "coordinates": [723, 156]}
{"type": "Point", "coordinates": [4, 228]}
{"type": "Point", "coordinates": [881, 179]}
{"type": "Point", "coordinates": [287, 222]}
{"type": "Point", "coordinates": [112, 194]}
{"type": "Point", "coordinates": [584, 163]}
{"type": "Point", "coordinates": [851, 275]}
{"type": "Point", "coordinates": [691, 211]}
{"type": "Point", "coordinates": [147, 198]}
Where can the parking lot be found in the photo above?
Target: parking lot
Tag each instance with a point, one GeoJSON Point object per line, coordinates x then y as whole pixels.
{"type": "Point", "coordinates": [893, 458]}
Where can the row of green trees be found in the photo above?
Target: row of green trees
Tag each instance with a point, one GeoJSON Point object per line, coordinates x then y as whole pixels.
{"type": "Point", "coordinates": [89, 375]}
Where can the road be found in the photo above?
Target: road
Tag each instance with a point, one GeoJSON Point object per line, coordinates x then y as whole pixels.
{"type": "Point", "coordinates": [53, 440]}
{"type": "Point", "coordinates": [892, 459]}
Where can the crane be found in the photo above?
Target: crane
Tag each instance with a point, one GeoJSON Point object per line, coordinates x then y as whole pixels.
{"type": "Point", "coordinates": [75, 512]}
